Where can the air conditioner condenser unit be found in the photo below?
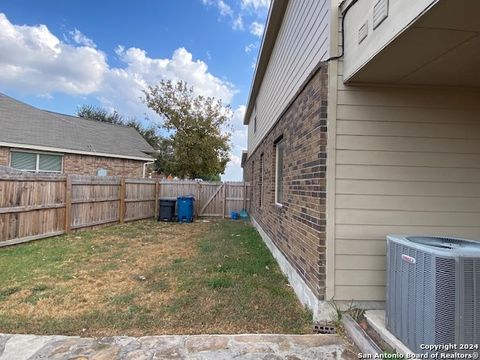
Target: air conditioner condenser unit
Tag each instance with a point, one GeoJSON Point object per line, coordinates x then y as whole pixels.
{"type": "Point", "coordinates": [433, 292]}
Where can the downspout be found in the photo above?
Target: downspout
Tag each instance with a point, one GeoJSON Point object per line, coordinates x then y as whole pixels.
{"type": "Point", "coordinates": [145, 167]}
{"type": "Point", "coordinates": [344, 15]}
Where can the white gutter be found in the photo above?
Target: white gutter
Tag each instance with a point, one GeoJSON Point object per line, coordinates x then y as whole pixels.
{"type": "Point", "coordinates": [145, 167]}
{"type": "Point", "coordinates": [69, 151]}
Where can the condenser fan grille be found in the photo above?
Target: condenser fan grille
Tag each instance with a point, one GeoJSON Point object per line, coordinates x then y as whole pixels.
{"type": "Point", "coordinates": [433, 290]}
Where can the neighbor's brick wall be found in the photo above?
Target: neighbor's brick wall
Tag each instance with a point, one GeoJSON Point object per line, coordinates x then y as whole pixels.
{"type": "Point", "coordinates": [298, 228]}
{"type": "Point", "coordinates": [88, 165]}
{"type": "Point", "coordinates": [4, 153]}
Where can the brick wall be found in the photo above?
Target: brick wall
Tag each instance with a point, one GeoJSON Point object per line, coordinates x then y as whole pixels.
{"type": "Point", "coordinates": [4, 153]}
{"type": "Point", "coordinates": [298, 227]}
{"type": "Point", "coordinates": [88, 165]}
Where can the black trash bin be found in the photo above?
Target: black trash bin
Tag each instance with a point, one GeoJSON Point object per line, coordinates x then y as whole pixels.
{"type": "Point", "coordinates": [166, 210]}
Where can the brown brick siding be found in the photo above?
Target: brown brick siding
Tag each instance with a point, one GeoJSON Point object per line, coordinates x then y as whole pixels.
{"type": "Point", "coordinates": [4, 153]}
{"type": "Point", "coordinates": [88, 165]}
{"type": "Point", "coordinates": [297, 228]}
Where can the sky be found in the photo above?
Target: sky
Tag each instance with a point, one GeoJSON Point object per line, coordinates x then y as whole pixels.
{"type": "Point", "coordinates": [58, 55]}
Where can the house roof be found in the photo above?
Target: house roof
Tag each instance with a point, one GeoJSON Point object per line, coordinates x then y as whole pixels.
{"type": "Point", "coordinates": [25, 126]}
{"type": "Point", "coordinates": [274, 22]}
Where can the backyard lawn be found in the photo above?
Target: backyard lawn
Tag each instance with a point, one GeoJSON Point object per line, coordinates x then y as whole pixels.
{"type": "Point", "coordinates": [148, 278]}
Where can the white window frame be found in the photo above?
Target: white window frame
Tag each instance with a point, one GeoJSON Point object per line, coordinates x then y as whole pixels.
{"type": "Point", "coordinates": [37, 162]}
{"type": "Point", "coordinates": [277, 148]}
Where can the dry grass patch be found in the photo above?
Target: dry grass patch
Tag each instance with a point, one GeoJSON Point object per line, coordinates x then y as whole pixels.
{"type": "Point", "coordinates": [147, 278]}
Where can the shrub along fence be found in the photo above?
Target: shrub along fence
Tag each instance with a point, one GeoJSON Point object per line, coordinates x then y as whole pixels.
{"type": "Point", "coordinates": [34, 206]}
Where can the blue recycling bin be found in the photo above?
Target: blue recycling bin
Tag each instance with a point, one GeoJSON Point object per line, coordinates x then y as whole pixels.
{"type": "Point", "coordinates": [185, 206]}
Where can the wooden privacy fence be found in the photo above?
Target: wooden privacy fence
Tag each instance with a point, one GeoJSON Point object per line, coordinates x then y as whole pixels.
{"type": "Point", "coordinates": [35, 206]}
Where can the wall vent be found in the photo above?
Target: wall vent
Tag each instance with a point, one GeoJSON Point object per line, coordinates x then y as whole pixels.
{"type": "Point", "coordinates": [380, 12]}
{"type": "Point", "coordinates": [363, 32]}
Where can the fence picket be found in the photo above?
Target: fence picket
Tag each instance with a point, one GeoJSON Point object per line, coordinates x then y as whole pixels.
{"type": "Point", "coordinates": [33, 206]}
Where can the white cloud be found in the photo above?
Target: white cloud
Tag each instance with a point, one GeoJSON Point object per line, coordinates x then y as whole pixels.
{"type": "Point", "coordinates": [251, 47]}
{"type": "Point", "coordinates": [223, 7]}
{"type": "Point", "coordinates": [239, 142]}
{"type": "Point", "coordinates": [225, 10]}
{"type": "Point", "coordinates": [123, 86]}
{"type": "Point", "coordinates": [238, 23]}
{"type": "Point", "coordinates": [256, 4]}
{"type": "Point", "coordinates": [81, 39]}
{"type": "Point", "coordinates": [256, 29]}
{"type": "Point", "coordinates": [34, 60]}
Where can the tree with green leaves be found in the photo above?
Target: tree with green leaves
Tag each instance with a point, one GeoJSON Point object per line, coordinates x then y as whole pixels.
{"type": "Point", "coordinates": [98, 113]}
{"type": "Point", "coordinates": [199, 146]}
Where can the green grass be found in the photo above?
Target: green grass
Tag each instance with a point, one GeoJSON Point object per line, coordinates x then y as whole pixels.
{"type": "Point", "coordinates": [148, 278]}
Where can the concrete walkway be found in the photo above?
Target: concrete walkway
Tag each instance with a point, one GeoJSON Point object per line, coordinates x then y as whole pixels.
{"type": "Point", "coordinates": [201, 347]}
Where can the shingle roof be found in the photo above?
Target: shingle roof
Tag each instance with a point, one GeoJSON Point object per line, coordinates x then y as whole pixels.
{"type": "Point", "coordinates": [23, 124]}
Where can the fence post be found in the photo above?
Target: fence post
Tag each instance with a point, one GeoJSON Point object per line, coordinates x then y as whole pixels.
{"type": "Point", "coordinates": [121, 209]}
{"type": "Point", "coordinates": [244, 195]}
{"type": "Point", "coordinates": [197, 207]}
{"type": "Point", "coordinates": [224, 198]}
{"type": "Point", "coordinates": [68, 203]}
{"type": "Point", "coordinates": [157, 188]}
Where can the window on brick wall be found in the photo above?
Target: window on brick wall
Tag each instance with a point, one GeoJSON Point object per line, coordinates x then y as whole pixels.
{"type": "Point", "coordinates": [252, 179]}
{"type": "Point", "coordinates": [260, 182]}
{"type": "Point", "coordinates": [279, 150]}
{"type": "Point", "coordinates": [36, 162]}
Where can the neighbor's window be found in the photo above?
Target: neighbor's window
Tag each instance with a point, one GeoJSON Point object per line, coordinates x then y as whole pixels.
{"type": "Point", "coordinates": [35, 162]}
{"type": "Point", "coordinates": [255, 124]}
{"type": "Point", "coordinates": [279, 148]}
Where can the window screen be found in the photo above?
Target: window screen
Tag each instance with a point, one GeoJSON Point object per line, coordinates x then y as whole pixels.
{"type": "Point", "coordinates": [23, 161]}
{"type": "Point", "coordinates": [279, 173]}
{"type": "Point", "coordinates": [50, 163]}
{"type": "Point", "coordinates": [36, 162]}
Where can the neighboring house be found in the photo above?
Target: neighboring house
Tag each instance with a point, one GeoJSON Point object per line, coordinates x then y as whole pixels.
{"type": "Point", "coordinates": [347, 147]}
{"type": "Point", "coordinates": [42, 141]}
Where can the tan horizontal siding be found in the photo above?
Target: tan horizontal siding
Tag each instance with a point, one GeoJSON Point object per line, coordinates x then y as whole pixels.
{"type": "Point", "coordinates": [410, 144]}
{"type": "Point", "coordinates": [361, 232]}
{"type": "Point", "coordinates": [361, 277]}
{"type": "Point", "coordinates": [408, 188]}
{"type": "Point", "coordinates": [407, 218]}
{"type": "Point", "coordinates": [301, 44]}
{"type": "Point", "coordinates": [408, 173]}
{"type": "Point", "coordinates": [403, 158]}
{"type": "Point", "coordinates": [409, 203]}
{"type": "Point", "coordinates": [360, 247]}
{"type": "Point", "coordinates": [407, 162]}
{"type": "Point", "coordinates": [413, 114]}
{"type": "Point", "coordinates": [446, 98]}
{"type": "Point", "coordinates": [413, 129]}
{"type": "Point", "coordinates": [360, 262]}
{"type": "Point", "coordinates": [360, 293]}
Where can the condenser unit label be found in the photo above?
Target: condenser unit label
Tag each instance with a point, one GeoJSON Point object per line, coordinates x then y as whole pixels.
{"type": "Point", "coordinates": [408, 259]}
